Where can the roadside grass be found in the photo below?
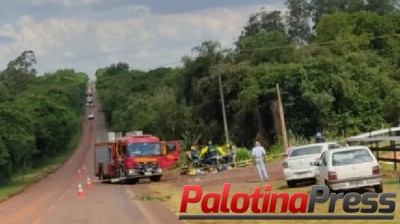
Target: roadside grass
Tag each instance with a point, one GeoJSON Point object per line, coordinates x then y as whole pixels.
{"type": "Point", "coordinates": [19, 182]}
{"type": "Point", "coordinates": [171, 196]}
{"type": "Point", "coordinates": [388, 166]}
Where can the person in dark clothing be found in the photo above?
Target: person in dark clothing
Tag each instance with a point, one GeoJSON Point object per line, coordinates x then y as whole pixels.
{"type": "Point", "coordinates": [319, 138]}
{"type": "Point", "coordinates": [212, 154]}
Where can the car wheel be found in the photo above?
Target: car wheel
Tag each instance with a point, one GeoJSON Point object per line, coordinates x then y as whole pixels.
{"type": "Point", "coordinates": [291, 183]}
{"type": "Point", "coordinates": [378, 188]}
{"type": "Point", "coordinates": [329, 187]}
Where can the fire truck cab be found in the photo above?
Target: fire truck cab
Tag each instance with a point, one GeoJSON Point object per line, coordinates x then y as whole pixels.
{"type": "Point", "coordinates": [133, 157]}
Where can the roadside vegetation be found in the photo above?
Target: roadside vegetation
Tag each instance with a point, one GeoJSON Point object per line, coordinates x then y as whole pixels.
{"type": "Point", "coordinates": [40, 121]}
{"type": "Point", "coordinates": [338, 76]}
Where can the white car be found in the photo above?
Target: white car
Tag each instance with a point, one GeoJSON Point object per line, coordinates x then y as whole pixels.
{"type": "Point", "coordinates": [297, 165]}
{"type": "Point", "coordinates": [90, 116]}
{"type": "Point", "coordinates": [349, 168]}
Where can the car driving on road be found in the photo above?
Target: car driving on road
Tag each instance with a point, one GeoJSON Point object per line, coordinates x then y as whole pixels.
{"type": "Point", "coordinates": [349, 168]}
{"type": "Point", "coordinates": [90, 116]}
{"type": "Point", "coordinates": [297, 165]}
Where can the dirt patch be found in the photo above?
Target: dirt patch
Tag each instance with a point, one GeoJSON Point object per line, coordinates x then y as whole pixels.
{"type": "Point", "coordinates": [237, 176]}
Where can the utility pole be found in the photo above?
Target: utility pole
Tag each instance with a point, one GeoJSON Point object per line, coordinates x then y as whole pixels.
{"type": "Point", "coordinates": [282, 119]}
{"type": "Point", "coordinates": [223, 108]}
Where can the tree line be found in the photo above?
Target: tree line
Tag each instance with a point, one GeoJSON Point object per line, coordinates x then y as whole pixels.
{"type": "Point", "coordinates": [38, 114]}
{"type": "Point", "coordinates": [336, 62]}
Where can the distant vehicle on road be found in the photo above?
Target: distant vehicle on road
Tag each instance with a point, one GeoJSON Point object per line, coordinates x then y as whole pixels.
{"type": "Point", "coordinates": [297, 165]}
{"type": "Point", "coordinates": [91, 116]}
{"type": "Point", "coordinates": [349, 168]}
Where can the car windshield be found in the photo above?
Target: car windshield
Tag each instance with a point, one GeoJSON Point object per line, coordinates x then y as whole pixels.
{"type": "Point", "coordinates": [311, 150]}
{"type": "Point", "coordinates": [143, 149]}
{"type": "Point", "coordinates": [351, 157]}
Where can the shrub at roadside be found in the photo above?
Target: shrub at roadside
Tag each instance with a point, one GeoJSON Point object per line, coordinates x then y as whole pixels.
{"type": "Point", "coordinates": [243, 154]}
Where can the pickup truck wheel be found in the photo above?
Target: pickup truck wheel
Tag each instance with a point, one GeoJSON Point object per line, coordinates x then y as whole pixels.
{"type": "Point", "coordinates": [155, 178]}
{"type": "Point", "coordinates": [291, 183]}
{"type": "Point", "coordinates": [378, 188]}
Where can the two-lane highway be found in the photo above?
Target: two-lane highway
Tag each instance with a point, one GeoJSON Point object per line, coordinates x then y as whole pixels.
{"type": "Point", "coordinates": [55, 200]}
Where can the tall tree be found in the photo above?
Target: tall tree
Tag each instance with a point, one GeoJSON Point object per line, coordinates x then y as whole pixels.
{"type": "Point", "coordinates": [298, 20]}
{"type": "Point", "coordinates": [20, 72]}
{"type": "Point", "coordinates": [323, 7]}
{"type": "Point", "coordinates": [385, 7]}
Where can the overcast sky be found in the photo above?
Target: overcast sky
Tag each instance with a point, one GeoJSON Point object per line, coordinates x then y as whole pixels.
{"type": "Point", "coordinates": [90, 34]}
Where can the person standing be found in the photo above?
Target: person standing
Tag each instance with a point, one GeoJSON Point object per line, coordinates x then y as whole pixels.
{"type": "Point", "coordinates": [319, 138]}
{"type": "Point", "coordinates": [258, 153]}
{"type": "Point", "coordinates": [189, 159]}
{"type": "Point", "coordinates": [232, 152]}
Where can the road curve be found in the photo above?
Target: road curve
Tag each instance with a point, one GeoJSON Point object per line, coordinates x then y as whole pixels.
{"type": "Point", "coordinates": [55, 200]}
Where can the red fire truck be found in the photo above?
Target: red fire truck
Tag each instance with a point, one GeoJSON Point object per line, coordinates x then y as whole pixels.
{"type": "Point", "coordinates": [133, 156]}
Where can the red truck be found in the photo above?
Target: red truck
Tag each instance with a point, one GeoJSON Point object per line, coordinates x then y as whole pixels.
{"type": "Point", "coordinates": [133, 156]}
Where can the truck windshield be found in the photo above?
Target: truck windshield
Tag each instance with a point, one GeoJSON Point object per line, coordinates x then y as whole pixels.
{"type": "Point", "coordinates": [143, 149]}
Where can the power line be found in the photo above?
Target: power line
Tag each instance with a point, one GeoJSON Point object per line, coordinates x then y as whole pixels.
{"type": "Point", "coordinates": [290, 46]}
{"type": "Point", "coordinates": [318, 44]}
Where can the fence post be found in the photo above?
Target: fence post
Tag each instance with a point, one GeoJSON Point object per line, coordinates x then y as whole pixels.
{"type": "Point", "coordinates": [393, 148]}
{"type": "Point", "coordinates": [395, 157]}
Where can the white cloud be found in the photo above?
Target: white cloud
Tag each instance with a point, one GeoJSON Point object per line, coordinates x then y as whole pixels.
{"type": "Point", "coordinates": [138, 9]}
{"type": "Point", "coordinates": [66, 3]}
{"type": "Point", "coordinates": [144, 39]}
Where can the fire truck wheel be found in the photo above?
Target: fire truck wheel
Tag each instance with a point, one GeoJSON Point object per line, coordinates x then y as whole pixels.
{"type": "Point", "coordinates": [121, 176]}
{"type": "Point", "coordinates": [101, 175]}
{"type": "Point", "coordinates": [133, 180]}
{"type": "Point", "coordinates": [155, 178]}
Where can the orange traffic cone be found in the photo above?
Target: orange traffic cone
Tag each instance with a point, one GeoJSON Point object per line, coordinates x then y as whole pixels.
{"type": "Point", "coordinates": [79, 175]}
{"type": "Point", "coordinates": [80, 192]}
{"type": "Point", "coordinates": [88, 183]}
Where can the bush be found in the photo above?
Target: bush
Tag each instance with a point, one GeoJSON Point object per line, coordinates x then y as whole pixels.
{"type": "Point", "coordinates": [275, 151]}
{"type": "Point", "coordinates": [242, 154]}
{"type": "Point", "coordinates": [182, 160]}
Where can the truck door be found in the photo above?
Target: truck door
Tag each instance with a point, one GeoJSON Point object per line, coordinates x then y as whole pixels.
{"type": "Point", "coordinates": [171, 154]}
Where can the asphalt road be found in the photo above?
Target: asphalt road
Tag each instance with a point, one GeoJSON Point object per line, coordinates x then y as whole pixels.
{"type": "Point", "coordinates": [54, 200]}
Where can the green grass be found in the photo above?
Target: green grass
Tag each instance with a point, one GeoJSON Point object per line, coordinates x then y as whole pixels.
{"type": "Point", "coordinates": [386, 166]}
{"type": "Point", "coordinates": [153, 197]}
{"type": "Point", "coordinates": [20, 181]}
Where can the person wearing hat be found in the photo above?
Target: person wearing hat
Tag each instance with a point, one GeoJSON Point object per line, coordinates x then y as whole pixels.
{"type": "Point", "coordinates": [258, 153]}
{"type": "Point", "coordinates": [194, 156]}
{"type": "Point", "coordinates": [212, 154]}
